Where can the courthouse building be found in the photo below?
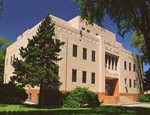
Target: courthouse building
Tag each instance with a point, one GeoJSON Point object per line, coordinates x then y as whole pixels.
{"type": "Point", "coordinates": [91, 58]}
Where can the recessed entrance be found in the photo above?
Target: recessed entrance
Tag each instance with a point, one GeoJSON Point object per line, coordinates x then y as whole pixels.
{"type": "Point", "coordinates": [111, 87]}
{"type": "Point", "coordinates": [107, 87]}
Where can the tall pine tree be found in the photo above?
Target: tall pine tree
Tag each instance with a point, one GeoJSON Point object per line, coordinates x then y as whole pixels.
{"type": "Point", "coordinates": [39, 59]}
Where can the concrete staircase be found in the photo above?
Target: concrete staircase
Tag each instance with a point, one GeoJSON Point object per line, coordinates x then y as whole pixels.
{"type": "Point", "coordinates": [125, 101]}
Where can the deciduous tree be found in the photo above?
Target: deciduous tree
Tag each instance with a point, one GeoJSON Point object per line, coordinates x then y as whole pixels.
{"type": "Point", "coordinates": [147, 80]}
{"type": "Point", "coordinates": [137, 41]}
{"type": "Point", "coordinates": [127, 14]}
{"type": "Point", "coordinates": [39, 59]}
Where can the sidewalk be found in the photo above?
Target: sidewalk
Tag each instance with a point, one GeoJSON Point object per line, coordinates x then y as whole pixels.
{"type": "Point", "coordinates": [137, 105]}
{"type": "Point", "coordinates": [30, 103]}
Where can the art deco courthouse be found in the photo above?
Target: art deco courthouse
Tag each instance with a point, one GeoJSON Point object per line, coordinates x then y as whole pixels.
{"type": "Point", "coordinates": [91, 58]}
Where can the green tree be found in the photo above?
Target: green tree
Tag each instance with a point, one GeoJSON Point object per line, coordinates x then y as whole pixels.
{"type": "Point", "coordinates": [147, 80]}
{"type": "Point", "coordinates": [129, 15]}
{"type": "Point", "coordinates": [39, 59]}
{"type": "Point", "coordinates": [3, 47]}
{"type": "Point", "coordinates": [137, 41]}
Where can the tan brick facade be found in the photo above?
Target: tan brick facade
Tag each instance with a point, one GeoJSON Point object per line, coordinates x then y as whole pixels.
{"type": "Point", "coordinates": [100, 62]}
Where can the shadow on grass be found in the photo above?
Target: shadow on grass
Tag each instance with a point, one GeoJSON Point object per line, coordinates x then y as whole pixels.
{"type": "Point", "coordinates": [36, 106]}
{"type": "Point", "coordinates": [104, 110]}
{"type": "Point", "coordinates": [3, 105]}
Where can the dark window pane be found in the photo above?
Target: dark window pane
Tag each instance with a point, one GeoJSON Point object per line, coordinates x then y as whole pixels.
{"type": "Point", "coordinates": [83, 28]}
{"type": "Point", "coordinates": [84, 77]}
{"type": "Point", "coordinates": [84, 53]}
{"type": "Point", "coordinates": [11, 60]}
{"type": "Point", "coordinates": [125, 65]}
{"type": "Point", "coordinates": [74, 75]}
{"type": "Point", "coordinates": [125, 81]}
{"type": "Point", "coordinates": [116, 62]}
{"type": "Point", "coordinates": [74, 50]}
{"type": "Point", "coordinates": [56, 71]}
{"type": "Point", "coordinates": [109, 62]}
{"type": "Point", "coordinates": [130, 82]}
{"type": "Point", "coordinates": [88, 31]}
{"type": "Point", "coordinates": [106, 60]}
{"type": "Point", "coordinates": [112, 63]}
{"type": "Point", "coordinates": [30, 96]}
{"type": "Point", "coordinates": [93, 56]}
{"type": "Point", "coordinates": [14, 57]}
{"type": "Point", "coordinates": [93, 78]}
{"type": "Point", "coordinates": [133, 67]}
{"type": "Point", "coordinates": [129, 66]}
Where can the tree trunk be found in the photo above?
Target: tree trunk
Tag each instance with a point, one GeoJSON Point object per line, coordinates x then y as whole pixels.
{"type": "Point", "coordinates": [147, 43]}
{"type": "Point", "coordinates": [41, 96]}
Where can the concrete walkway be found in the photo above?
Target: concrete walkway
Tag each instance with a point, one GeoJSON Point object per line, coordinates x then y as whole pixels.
{"type": "Point", "coordinates": [30, 103]}
{"type": "Point", "coordinates": [137, 105]}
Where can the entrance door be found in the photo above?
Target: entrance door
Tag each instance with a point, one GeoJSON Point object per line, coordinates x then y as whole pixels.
{"type": "Point", "coordinates": [107, 87]}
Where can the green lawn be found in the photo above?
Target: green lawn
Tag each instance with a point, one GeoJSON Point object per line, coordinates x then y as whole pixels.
{"type": "Point", "coordinates": [145, 102]}
{"type": "Point", "coordinates": [103, 110]}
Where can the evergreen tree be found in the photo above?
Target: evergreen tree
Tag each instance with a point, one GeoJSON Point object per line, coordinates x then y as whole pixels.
{"type": "Point", "coordinates": [3, 46]}
{"type": "Point", "coordinates": [39, 59]}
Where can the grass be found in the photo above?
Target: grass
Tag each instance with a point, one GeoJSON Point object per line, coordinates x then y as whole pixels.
{"type": "Point", "coordinates": [145, 102]}
{"type": "Point", "coordinates": [6, 109]}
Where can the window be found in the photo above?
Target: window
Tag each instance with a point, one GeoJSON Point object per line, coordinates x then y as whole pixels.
{"type": "Point", "coordinates": [13, 57]}
{"type": "Point", "coordinates": [11, 60]}
{"type": "Point", "coordinates": [112, 63]}
{"type": "Point", "coordinates": [84, 53]}
{"type": "Point", "coordinates": [130, 82]}
{"type": "Point", "coordinates": [38, 98]}
{"type": "Point", "coordinates": [83, 28]}
{"type": "Point", "coordinates": [88, 31]}
{"type": "Point", "coordinates": [56, 71]}
{"type": "Point", "coordinates": [84, 77]}
{"type": "Point", "coordinates": [134, 83]}
{"type": "Point", "coordinates": [30, 96]}
{"type": "Point", "coordinates": [109, 62]}
{"type": "Point", "coordinates": [93, 78]}
{"type": "Point", "coordinates": [133, 67]}
{"type": "Point", "coordinates": [125, 66]}
{"type": "Point", "coordinates": [74, 75]}
{"type": "Point", "coordinates": [106, 61]}
{"type": "Point", "coordinates": [125, 81]}
{"type": "Point", "coordinates": [97, 34]}
{"type": "Point", "coordinates": [74, 50]}
{"type": "Point", "coordinates": [93, 56]}
{"type": "Point", "coordinates": [129, 66]}
{"type": "Point", "coordinates": [116, 62]}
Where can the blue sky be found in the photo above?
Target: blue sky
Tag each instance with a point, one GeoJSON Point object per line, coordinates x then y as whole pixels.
{"type": "Point", "coordinates": [20, 15]}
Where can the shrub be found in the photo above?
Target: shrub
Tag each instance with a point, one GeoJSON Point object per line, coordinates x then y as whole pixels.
{"type": "Point", "coordinates": [12, 94]}
{"type": "Point", "coordinates": [80, 97]}
{"type": "Point", "coordinates": [144, 98]}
